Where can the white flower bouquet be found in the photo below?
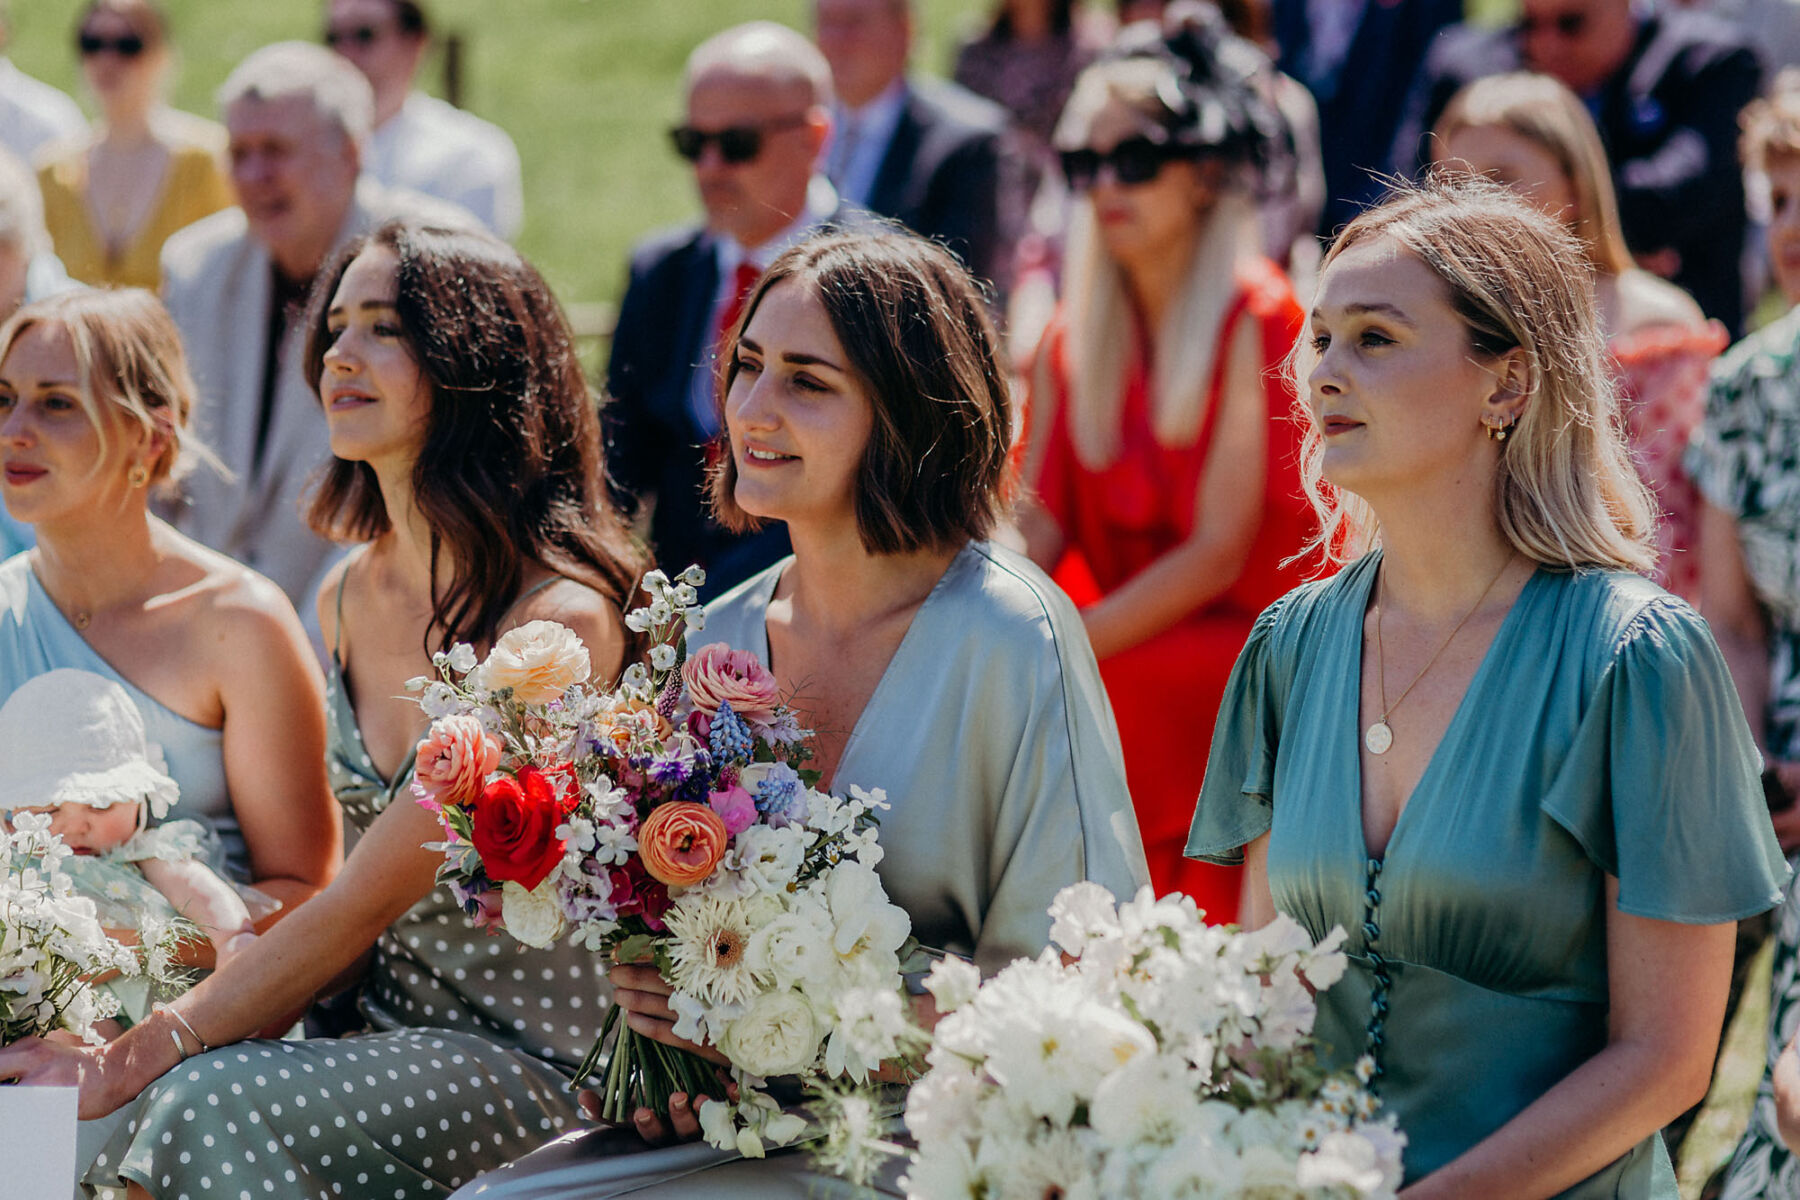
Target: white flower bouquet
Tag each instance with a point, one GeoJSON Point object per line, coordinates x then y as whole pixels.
{"type": "Point", "coordinates": [1165, 1059]}
{"type": "Point", "coordinates": [671, 820]}
{"type": "Point", "coordinates": [52, 944]}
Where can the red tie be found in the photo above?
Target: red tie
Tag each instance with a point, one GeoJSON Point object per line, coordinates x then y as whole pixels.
{"type": "Point", "coordinates": [745, 279]}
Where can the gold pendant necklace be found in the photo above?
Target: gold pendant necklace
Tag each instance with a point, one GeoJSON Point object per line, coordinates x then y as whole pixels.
{"type": "Point", "coordinates": [1379, 737]}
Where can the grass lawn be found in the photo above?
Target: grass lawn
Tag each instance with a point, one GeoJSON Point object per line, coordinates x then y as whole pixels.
{"type": "Point", "coordinates": [586, 88]}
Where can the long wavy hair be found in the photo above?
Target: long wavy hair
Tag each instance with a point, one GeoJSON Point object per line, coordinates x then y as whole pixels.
{"type": "Point", "coordinates": [510, 469]}
{"type": "Point", "coordinates": [1566, 493]}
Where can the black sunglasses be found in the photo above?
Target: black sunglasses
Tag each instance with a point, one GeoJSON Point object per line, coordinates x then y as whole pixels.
{"type": "Point", "coordinates": [129, 45]}
{"type": "Point", "coordinates": [1133, 161]}
{"type": "Point", "coordinates": [361, 35]}
{"type": "Point", "coordinates": [737, 143]}
{"type": "Point", "coordinates": [1565, 25]}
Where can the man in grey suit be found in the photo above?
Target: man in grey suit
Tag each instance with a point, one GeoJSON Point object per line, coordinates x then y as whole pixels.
{"type": "Point", "coordinates": [237, 282]}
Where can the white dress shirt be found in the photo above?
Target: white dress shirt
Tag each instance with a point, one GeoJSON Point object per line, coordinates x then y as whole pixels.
{"type": "Point", "coordinates": [33, 114]}
{"type": "Point", "coordinates": [438, 149]}
{"type": "Point", "coordinates": [859, 142]}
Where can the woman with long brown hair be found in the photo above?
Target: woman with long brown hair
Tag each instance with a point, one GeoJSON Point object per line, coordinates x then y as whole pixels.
{"type": "Point", "coordinates": [467, 459]}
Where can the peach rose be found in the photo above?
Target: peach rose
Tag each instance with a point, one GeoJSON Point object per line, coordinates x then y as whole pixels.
{"type": "Point", "coordinates": [680, 843]}
{"type": "Point", "coordinates": [454, 760]}
{"type": "Point", "coordinates": [539, 661]}
{"type": "Point", "coordinates": [716, 674]}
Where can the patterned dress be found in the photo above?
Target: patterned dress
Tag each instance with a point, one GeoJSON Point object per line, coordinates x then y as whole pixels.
{"type": "Point", "coordinates": [1745, 459]}
{"type": "Point", "coordinates": [477, 1038]}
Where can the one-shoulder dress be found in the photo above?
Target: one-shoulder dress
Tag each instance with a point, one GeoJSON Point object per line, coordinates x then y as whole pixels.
{"type": "Point", "coordinates": [477, 1039]}
{"type": "Point", "coordinates": [1601, 736]}
{"type": "Point", "coordinates": [991, 735]}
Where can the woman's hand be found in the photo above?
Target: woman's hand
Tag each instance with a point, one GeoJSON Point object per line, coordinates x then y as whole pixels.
{"type": "Point", "coordinates": [683, 1124]}
{"type": "Point", "coordinates": [108, 1076]}
{"type": "Point", "coordinates": [644, 995]}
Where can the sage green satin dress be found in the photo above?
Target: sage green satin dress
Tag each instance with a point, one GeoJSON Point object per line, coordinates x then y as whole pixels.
{"type": "Point", "coordinates": [1600, 736]}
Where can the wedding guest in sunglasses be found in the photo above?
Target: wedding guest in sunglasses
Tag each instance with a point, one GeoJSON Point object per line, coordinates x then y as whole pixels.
{"type": "Point", "coordinates": [33, 114]}
{"type": "Point", "coordinates": [113, 196]}
{"type": "Point", "coordinates": [756, 119]}
{"type": "Point", "coordinates": [1665, 86]}
{"type": "Point", "coordinates": [1161, 455]}
{"type": "Point", "coordinates": [421, 142]}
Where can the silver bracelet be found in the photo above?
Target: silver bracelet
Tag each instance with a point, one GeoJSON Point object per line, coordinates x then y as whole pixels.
{"type": "Point", "coordinates": [176, 1013]}
{"type": "Point", "coordinates": [180, 1046]}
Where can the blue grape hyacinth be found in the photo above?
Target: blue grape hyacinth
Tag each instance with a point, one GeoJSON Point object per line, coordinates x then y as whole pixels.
{"type": "Point", "coordinates": [729, 738]}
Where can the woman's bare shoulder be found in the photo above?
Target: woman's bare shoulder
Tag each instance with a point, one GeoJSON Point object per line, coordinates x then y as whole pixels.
{"type": "Point", "coordinates": [236, 604]}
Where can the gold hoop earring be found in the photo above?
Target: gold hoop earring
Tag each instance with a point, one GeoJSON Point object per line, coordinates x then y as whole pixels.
{"type": "Point", "coordinates": [1500, 432]}
{"type": "Point", "coordinates": [138, 476]}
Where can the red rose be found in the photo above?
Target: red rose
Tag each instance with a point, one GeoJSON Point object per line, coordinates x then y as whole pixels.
{"type": "Point", "coordinates": [515, 824]}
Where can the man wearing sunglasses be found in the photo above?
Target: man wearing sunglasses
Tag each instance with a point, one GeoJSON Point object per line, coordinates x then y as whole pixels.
{"type": "Point", "coordinates": [1665, 85]}
{"type": "Point", "coordinates": [755, 121]}
{"type": "Point", "coordinates": [421, 142]}
{"type": "Point", "coordinates": [32, 113]}
{"type": "Point", "coordinates": [924, 152]}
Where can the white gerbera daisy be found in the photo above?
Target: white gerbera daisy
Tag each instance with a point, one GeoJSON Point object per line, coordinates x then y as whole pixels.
{"type": "Point", "coordinates": [706, 950]}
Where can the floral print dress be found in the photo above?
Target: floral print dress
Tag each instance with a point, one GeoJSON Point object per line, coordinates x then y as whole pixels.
{"type": "Point", "coordinates": [1745, 459]}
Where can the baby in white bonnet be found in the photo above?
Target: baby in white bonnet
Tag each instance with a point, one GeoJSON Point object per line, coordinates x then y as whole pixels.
{"type": "Point", "coordinates": [72, 746]}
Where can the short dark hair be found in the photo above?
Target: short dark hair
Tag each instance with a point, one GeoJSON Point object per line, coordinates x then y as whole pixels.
{"type": "Point", "coordinates": [916, 331]}
{"type": "Point", "coordinates": [510, 470]}
{"type": "Point", "coordinates": [410, 16]}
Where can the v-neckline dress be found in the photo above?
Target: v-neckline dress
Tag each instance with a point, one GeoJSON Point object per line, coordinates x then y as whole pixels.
{"type": "Point", "coordinates": [1601, 735]}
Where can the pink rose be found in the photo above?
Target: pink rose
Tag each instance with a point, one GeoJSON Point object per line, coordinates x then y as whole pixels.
{"type": "Point", "coordinates": [735, 806]}
{"type": "Point", "coordinates": [454, 761]}
{"type": "Point", "coordinates": [716, 674]}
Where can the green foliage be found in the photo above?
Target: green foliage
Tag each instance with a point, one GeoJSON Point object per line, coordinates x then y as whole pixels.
{"type": "Point", "coordinates": [587, 88]}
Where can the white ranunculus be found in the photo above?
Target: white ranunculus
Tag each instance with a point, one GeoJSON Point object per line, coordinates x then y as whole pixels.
{"type": "Point", "coordinates": [535, 916]}
{"type": "Point", "coordinates": [795, 947]}
{"type": "Point", "coordinates": [942, 1106]}
{"type": "Point", "coordinates": [947, 1174]}
{"type": "Point", "coordinates": [1080, 912]}
{"type": "Point", "coordinates": [1148, 1101]}
{"type": "Point", "coordinates": [777, 1034]}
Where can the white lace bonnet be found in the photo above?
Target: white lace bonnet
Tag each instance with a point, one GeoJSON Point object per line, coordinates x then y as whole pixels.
{"type": "Point", "coordinates": [74, 737]}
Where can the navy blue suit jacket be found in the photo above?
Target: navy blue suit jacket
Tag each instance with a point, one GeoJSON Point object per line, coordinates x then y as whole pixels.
{"type": "Point", "coordinates": [941, 174]}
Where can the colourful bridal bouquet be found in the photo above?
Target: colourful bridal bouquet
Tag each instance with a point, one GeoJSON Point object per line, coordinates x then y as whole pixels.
{"type": "Point", "coordinates": [52, 944]}
{"type": "Point", "coordinates": [670, 820]}
{"type": "Point", "coordinates": [1166, 1059]}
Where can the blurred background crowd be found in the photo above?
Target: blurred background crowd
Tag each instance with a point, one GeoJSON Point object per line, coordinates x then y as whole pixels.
{"type": "Point", "coordinates": [1144, 187]}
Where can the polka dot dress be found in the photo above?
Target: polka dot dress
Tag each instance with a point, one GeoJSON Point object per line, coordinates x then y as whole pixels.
{"type": "Point", "coordinates": [481, 1035]}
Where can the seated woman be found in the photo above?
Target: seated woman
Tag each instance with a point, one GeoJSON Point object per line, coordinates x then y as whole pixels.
{"type": "Point", "coordinates": [1163, 446]}
{"type": "Point", "coordinates": [1745, 459]}
{"type": "Point", "coordinates": [863, 406]}
{"type": "Point", "coordinates": [467, 457]}
{"type": "Point", "coordinates": [1534, 135]}
{"type": "Point", "coordinates": [112, 199]}
{"type": "Point", "coordinates": [1541, 822]}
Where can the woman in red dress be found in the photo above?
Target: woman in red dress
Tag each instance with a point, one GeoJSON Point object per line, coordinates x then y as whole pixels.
{"type": "Point", "coordinates": [1162, 455]}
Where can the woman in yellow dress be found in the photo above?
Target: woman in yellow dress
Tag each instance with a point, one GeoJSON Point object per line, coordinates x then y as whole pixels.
{"type": "Point", "coordinates": [112, 198]}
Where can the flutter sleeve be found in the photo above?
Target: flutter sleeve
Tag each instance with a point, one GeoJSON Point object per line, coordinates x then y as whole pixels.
{"type": "Point", "coordinates": [1661, 784]}
{"type": "Point", "coordinates": [1236, 797]}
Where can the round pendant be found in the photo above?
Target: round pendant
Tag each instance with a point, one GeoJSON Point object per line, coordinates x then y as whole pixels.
{"type": "Point", "coordinates": [1378, 737]}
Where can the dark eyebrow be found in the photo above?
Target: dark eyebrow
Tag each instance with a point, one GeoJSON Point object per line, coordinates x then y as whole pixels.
{"type": "Point", "coordinates": [792, 357]}
{"type": "Point", "coordinates": [337, 310]}
{"type": "Point", "coordinates": [1374, 308]}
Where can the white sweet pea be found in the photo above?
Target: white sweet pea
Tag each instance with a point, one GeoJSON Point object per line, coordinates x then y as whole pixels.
{"type": "Point", "coordinates": [952, 982]}
{"type": "Point", "coordinates": [439, 700]}
{"type": "Point", "coordinates": [662, 657]}
{"type": "Point", "coordinates": [462, 658]}
{"type": "Point", "coordinates": [870, 1024]}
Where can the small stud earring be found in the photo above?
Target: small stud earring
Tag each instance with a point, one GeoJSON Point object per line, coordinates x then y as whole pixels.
{"type": "Point", "coordinates": [138, 476]}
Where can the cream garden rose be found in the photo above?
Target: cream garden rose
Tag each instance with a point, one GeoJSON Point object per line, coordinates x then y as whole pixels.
{"type": "Point", "coordinates": [777, 1035]}
{"type": "Point", "coordinates": [539, 661]}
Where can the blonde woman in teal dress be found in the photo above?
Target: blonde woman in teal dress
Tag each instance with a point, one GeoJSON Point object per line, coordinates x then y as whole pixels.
{"type": "Point", "coordinates": [1512, 768]}
{"type": "Point", "coordinates": [467, 462]}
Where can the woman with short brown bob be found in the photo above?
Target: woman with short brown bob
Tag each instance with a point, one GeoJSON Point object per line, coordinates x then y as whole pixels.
{"type": "Point", "coordinates": [863, 405]}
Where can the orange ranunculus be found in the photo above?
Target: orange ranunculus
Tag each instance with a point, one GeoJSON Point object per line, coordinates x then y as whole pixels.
{"type": "Point", "coordinates": [681, 843]}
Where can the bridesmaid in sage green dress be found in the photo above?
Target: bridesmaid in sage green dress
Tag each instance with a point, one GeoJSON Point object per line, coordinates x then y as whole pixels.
{"type": "Point", "coordinates": [454, 397]}
{"type": "Point", "coordinates": [933, 663]}
{"type": "Point", "coordinates": [1516, 772]}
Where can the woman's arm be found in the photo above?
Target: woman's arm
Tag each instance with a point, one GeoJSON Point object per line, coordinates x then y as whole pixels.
{"type": "Point", "coordinates": [1787, 1094]}
{"type": "Point", "coordinates": [279, 972]}
{"type": "Point", "coordinates": [1256, 906]}
{"type": "Point", "coordinates": [274, 701]}
{"type": "Point", "coordinates": [1667, 985]}
{"type": "Point", "coordinates": [1227, 513]}
{"type": "Point", "coordinates": [1740, 625]}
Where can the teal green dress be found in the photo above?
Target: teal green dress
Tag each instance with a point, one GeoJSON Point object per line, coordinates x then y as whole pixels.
{"type": "Point", "coordinates": [1600, 736]}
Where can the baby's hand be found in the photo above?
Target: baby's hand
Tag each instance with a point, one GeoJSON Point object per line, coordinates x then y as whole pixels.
{"type": "Point", "coordinates": [234, 945]}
